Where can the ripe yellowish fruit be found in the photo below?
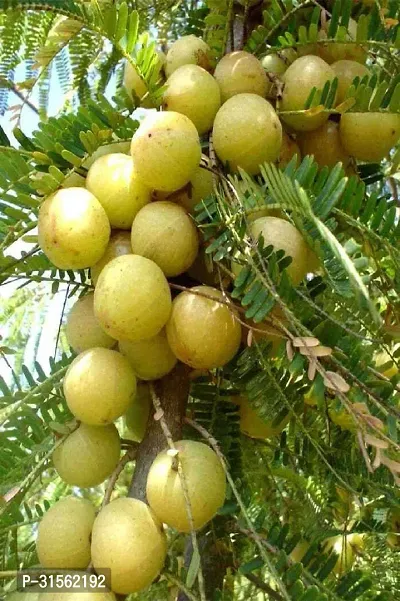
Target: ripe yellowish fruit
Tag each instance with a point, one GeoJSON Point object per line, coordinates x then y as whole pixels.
{"type": "Point", "coordinates": [385, 365]}
{"type": "Point", "coordinates": [300, 78]}
{"type": "Point", "coordinates": [138, 412]}
{"type": "Point", "coordinates": [299, 551]}
{"type": "Point", "coordinates": [241, 73]}
{"type": "Point", "coordinates": [99, 386]}
{"type": "Point", "coordinates": [119, 245]}
{"type": "Point", "coordinates": [247, 133]}
{"type": "Point", "coordinates": [346, 71]}
{"type": "Point", "coordinates": [166, 151]}
{"type": "Point", "coordinates": [73, 228]}
{"type": "Point", "coordinates": [282, 235]}
{"type": "Point", "coordinates": [254, 426]}
{"type": "Point", "coordinates": [74, 181]}
{"type": "Point", "coordinates": [325, 144]}
{"type": "Point", "coordinates": [63, 539]}
{"type": "Point", "coordinates": [134, 84]}
{"type": "Point", "coordinates": [188, 50]}
{"type": "Point", "coordinates": [32, 595]}
{"type": "Point", "coordinates": [164, 232]}
{"type": "Point", "coordinates": [114, 147]}
{"type": "Point", "coordinates": [273, 65]}
{"type": "Point", "coordinates": [202, 332]}
{"type": "Point", "coordinates": [80, 595]}
{"type": "Point", "coordinates": [151, 358]}
{"type": "Point", "coordinates": [88, 456]}
{"type": "Point", "coordinates": [128, 539]}
{"type": "Point", "coordinates": [205, 480]}
{"type": "Point", "coordinates": [193, 92]}
{"type": "Point", "coordinates": [198, 189]}
{"type": "Point", "coordinates": [82, 329]}
{"type": "Point", "coordinates": [289, 148]}
{"type": "Point", "coordinates": [369, 136]}
{"type": "Point", "coordinates": [332, 52]}
{"type": "Point", "coordinates": [132, 299]}
{"type": "Point", "coordinates": [113, 181]}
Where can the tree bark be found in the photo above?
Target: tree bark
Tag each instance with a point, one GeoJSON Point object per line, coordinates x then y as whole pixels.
{"type": "Point", "coordinates": [173, 392]}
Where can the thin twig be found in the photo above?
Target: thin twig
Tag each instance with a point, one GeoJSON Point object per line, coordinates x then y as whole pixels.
{"type": "Point", "coordinates": [164, 426]}
{"type": "Point", "coordinates": [10, 85]}
{"type": "Point", "coordinates": [263, 586]}
{"type": "Point", "coordinates": [129, 456]}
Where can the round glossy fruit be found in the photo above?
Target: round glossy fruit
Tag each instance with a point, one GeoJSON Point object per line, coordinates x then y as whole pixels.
{"type": "Point", "coordinates": [151, 358]}
{"type": "Point", "coordinates": [166, 151]}
{"type": "Point", "coordinates": [63, 539]}
{"type": "Point", "coordinates": [253, 426]}
{"type": "Point", "coordinates": [88, 456]}
{"type": "Point", "coordinates": [198, 189]}
{"type": "Point", "coordinates": [201, 332]}
{"type": "Point", "coordinates": [193, 92]}
{"type": "Point", "coordinates": [114, 147]}
{"type": "Point", "coordinates": [289, 148]}
{"type": "Point", "coordinates": [113, 181]}
{"type": "Point", "coordinates": [205, 480]}
{"type": "Point", "coordinates": [138, 412]}
{"type": "Point", "coordinates": [325, 144]}
{"type": "Point", "coordinates": [73, 228]}
{"type": "Point", "coordinates": [346, 71]}
{"type": "Point", "coordinates": [300, 78]}
{"type": "Point", "coordinates": [273, 65]}
{"type": "Point", "coordinates": [74, 181]}
{"type": "Point", "coordinates": [282, 235]}
{"type": "Point", "coordinates": [332, 52]}
{"type": "Point", "coordinates": [132, 299]}
{"type": "Point", "coordinates": [188, 50]}
{"type": "Point", "coordinates": [119, 245]}
{"type": "Point", "coordinates": [82, 329]}
{"type": "Point", "coordinates": [241, 73]}
{"type": "Point", "coordinates": [369, 136]}
{"type": "Point", "coordinates": [164, 232]}
{"type": "Point", "coordinates": [128, 539]}
{"type": "Point", "coordinates": [99, 386]}
{"type": "Point", "coordinates": [247, 133]}
{"type": "Point", "coordinates": [134, 84]}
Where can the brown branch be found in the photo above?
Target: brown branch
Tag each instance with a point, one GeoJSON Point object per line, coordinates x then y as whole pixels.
{"type": "Point", "coordinates": [10, 85]}
{"type": "Point", "coordinates": [129, 456]}
{"type": "Point", "coordinates": [263, 586]}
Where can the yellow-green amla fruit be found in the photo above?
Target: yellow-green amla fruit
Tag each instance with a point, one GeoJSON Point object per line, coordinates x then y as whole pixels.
{"type": "Point", "coordinates": [73, 228]}
{"type": "Point", "coordinates": [247, 133]}
{"type": "Point", "coordinates": [198, 189]}
{"type": "Point", "coordinates": [164, 232]}
{"type": "Point", "coordinates": [138, 412]}
{"type": "Point", "coordinates": [31, 594]}
{"type": "Point", "coordinates": [299, 79]}
{"type": "Point", "coordinates": [345, 546]}
{"type": "Point", "coordinates": [166, 151]}
{"type": "Point", "coordinates": [332, 52]}
{"type": "Point", "coordinates": [254, 426]}
{"type": "Point", "coordinates": [82, 329]}
{"type": "Point", "coordinates": [188, 50]}
{"type": "Point", "coordinates": [205, 479]}
{"type": "Point", "coordinates": [274, 66]}
{"type": "Point", "coordinates": [150, 358]}
{"type": "Point", "coordinates": [289, 149]}
{"type": "Point", "coordinates": [79, 595]}
{"type": "Point", "coordinates": [346, 71]}
{"type": "Point", "coordinates": [132, 299]}
{"type": "Point", "coordinates": [241, 73]}
{"type": "Point", "coordinates": [119, 244]}
{"type": "Point", "coordinates": [112, 148]}
{"type": "Point", "coordinates": [193, 92]}
{"type": "Point", "coordinates": [88, 456]}
{"type": "Point", "coordinates": [282, 235]}
{"type": "Point", "coordinates": [113, 181]}
{"type": "Point", "coordinates": [128, 538]}
{"type": "Point", "coordinates": [369, 136]}
{"type": "Point", "coordinates": [99, 386]}
{"type": "Point", "coordinates": [135, 85]}
{"type": "Point", "coordinates": [63, 539]}
{"type": "Point", "coordinates": [325, 145]}
{"type": "Point", "coordinates": [203, 332]}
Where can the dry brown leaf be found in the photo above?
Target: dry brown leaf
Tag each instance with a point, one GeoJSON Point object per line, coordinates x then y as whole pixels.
{"type": "Point", "coordinates": [289, 350]}
{"type": "Point", "coordinates": [305, 341]}
{"type": "Point", "coordinates": [312, 369]}
{"type": "Point", "coordinates": [376, 442]}
{"type": "Point", "coordinates": [316, 351]}
{"type": "Point", "coordinates": [334, 381]}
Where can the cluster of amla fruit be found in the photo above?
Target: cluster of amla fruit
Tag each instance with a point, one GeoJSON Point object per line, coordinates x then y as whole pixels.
{"type": "Point", "coordinates": [152, 192]}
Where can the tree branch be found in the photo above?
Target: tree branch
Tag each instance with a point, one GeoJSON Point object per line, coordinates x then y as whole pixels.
{"type": "Point", "coordinates": [263, 586]}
